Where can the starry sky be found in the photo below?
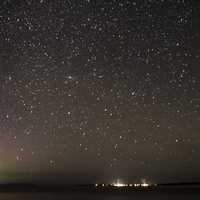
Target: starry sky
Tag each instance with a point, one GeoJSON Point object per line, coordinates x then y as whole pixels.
{"type": "Point", "coordinates": [92, 91]}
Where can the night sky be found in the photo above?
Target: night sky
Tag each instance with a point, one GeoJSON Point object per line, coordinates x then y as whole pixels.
{"type": "Point", "coordinates": [96, 90]}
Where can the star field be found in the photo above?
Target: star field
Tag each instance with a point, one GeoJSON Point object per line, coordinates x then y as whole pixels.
{"type": "Point", "coordinates": [103, 88]}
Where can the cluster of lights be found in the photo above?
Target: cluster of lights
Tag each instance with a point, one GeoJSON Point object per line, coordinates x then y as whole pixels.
{"type": "Point", "coordinates": [142, 185]}
{"type": "Point", "coordinates": [119, 184]}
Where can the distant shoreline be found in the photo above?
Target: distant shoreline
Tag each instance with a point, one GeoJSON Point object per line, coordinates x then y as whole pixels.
{"type": "Point", "coordinates": [87, 189]}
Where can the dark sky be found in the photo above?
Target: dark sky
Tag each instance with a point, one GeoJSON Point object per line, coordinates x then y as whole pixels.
{"type": "Point", "coordinates": [95, 90]}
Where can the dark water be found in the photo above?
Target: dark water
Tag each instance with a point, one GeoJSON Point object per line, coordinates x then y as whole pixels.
{"type": "Point", "coordinates": [37, 196]}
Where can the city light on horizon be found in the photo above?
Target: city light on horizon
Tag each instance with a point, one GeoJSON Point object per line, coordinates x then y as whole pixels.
{"type": "Point", "coordinates": [118, 183]}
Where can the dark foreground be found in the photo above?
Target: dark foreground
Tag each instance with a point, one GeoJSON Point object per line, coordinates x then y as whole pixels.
{"type": "Point", "coordinates": [154, 193]}
{"type": "Point", "coordinates": [135, 196]}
